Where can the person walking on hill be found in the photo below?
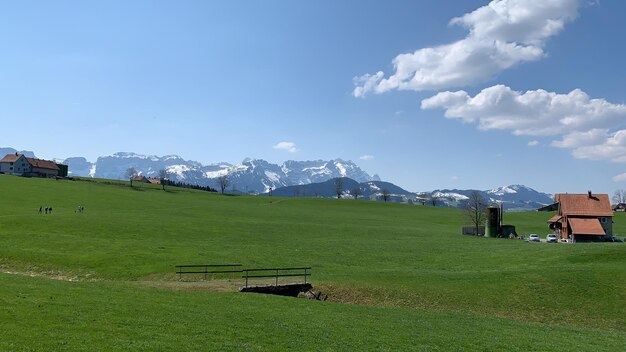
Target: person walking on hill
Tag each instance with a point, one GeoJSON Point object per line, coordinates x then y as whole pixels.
{"type": "Point", "coordinates": [40, 210]}
{"type": "Point", "coordinates": [46, 210]}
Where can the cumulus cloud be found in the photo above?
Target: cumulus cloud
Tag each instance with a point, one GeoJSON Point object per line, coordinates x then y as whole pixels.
{"type": "Point", "coordinates": [589, 127]}
{"type": "Point", "coordinates": [286, 146]}
{"type": "Point", "coordinates": [619, 178]}
{"type": "Point", "coordinates": [501, 34]}
{"type": "Point", "coordinates": [612, 147]}
{"type": "Point", "coordinates": [366, 157]}
{"type": "Point", "coordinates": [533, 143]}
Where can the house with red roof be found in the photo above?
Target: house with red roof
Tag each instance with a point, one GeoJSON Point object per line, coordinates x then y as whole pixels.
{"type": "Point", "coordinates": [18, 164]}
{"type": "Point", "coordinates": [582, 217]}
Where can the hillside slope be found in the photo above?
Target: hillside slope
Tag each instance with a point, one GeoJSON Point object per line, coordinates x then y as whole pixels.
{"type": "Point", "coordinates": [372, 253]}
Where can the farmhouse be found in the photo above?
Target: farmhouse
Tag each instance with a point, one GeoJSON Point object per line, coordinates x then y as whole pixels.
{"type": "Point", "coordinates": [586, 217]}
{"type": "Point", "coordinates": [141, 179]}
{"type": "Point", "coordinates": [18, 164]}
{"type": "Point", "coordinates": [154, 181]}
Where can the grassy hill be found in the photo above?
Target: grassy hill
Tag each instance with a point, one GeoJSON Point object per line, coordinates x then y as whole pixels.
{"type": "Point", "coordinates": [399, 277]}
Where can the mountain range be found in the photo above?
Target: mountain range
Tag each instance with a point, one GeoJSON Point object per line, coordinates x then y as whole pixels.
{"type": "Point", "coordinates": [513, 197]}
{"type": "Point", "coordinates": [289, 179]}
{"type": "Point", "coordinates": [252, 176]}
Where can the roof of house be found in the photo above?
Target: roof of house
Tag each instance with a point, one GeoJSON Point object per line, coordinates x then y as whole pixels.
{"type": "Point", "coordinates": [586, 227]}
{"type": "Point", "coordinates": [10, 158]}
{"type": "Point", "coordinates": [555, 218]}
{"type": "Point", "coordinates": [42, 164]}
{"type": "Point", "coordinates": [584, 204]}
{"type": "Point", "coordinates": [140, 178]}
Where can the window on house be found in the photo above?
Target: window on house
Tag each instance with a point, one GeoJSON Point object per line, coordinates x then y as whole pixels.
{"type": "Point", "coordinates": [603, 220]}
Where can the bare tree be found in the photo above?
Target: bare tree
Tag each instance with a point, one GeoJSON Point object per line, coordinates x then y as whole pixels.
{"type": "Point", "coordinates": [433, 200]}
{"type": "Point", "coordinates": [356, 192]}
{"type": "Point", "coordinates": [619, 196]}
{"type": "Point", "coordinates": [385, 194]}
{"type": "Point", "coordinates": [131, 172]}
{"type": "Point", "coordinates": [339, 187]}
{"type": "Point", "coordinates": [223, 182]}
{"type": "Point", "coordinates": [163, 177]}
{"type": "Point", "coordinates": [474, 209]}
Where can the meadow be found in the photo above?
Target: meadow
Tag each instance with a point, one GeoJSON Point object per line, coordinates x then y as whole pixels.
{"type": "Point", "coordinates": [398, 276]}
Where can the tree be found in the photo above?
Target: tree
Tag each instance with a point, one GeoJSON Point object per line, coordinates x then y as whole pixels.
{"type": "Point", "coordinates": [223, 182]}
{"type": "Point", "coordinates": [619, 196]}
{"type": "Point", "coordinates": [163, 176]}
{"type": "Point", "coordinates": [474, 209]}
{"type": "Point", "coordinates": [131, 172]}
{"type": "Point", "coordinates": [355, 192]}
{"type": "Point", "coordinates": [385, 194]}
{"type": "Point", "coordinates": [433, 200]}
{"type": "Point", "coordinates": [339, 187]}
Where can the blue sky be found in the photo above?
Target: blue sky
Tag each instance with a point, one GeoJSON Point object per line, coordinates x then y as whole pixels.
{"type": "Point", "coordinates": [470, 94]}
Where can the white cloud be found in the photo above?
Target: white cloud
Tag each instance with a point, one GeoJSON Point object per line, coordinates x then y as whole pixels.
{"type": "Point", "coordinates": [619, 178]}
{"type": "Point", "coordinates": [612, 147]}
{"type": "Point", "coordinates": [533, 143]}
{"type": "Point", "coordinates": [454, 178]}
{"type": "Point", "coordinates": [366, 157]}
{"type": "Point", "coordinates": [583, 124]}
{"type": "Point", "coordinates": [501, 34]}
{"type": "Point", "coordinates": [286, 146]}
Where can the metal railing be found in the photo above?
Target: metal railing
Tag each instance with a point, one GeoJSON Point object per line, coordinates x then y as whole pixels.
{"type": "Point", "coordinates": [196, 269]}
{"type": "Point", "coordinates": [277, 273]}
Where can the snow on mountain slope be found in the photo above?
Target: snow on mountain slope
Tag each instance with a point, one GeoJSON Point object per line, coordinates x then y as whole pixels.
{"type": "Point", "coordinates": [249, 176]}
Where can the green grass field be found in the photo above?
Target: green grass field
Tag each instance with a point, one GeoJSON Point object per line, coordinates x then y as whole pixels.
{"type": "Point", "coordinates": [399, 277]}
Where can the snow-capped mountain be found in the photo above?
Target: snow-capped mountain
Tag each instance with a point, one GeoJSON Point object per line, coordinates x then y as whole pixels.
{"type": "Point", "coordinates": [249, 176]}
{"type": "Point", "coordinates": [514, 197]}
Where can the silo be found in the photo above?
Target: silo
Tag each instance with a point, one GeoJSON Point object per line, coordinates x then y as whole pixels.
{"type": "Point", "coordinates": [492, 222]}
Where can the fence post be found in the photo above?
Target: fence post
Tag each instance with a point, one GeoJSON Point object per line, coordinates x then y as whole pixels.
{"type": "Point", "coordinates": [205, 271]}
{"type": "Point", "coordinates": [305, 276]}
{"type": "Point", "coordinates": [246, 278]}
{"type": "Point", "coordinates": [276, 278]}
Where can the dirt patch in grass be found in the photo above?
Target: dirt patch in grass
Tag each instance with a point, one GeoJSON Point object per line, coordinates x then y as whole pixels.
{"type": "Point", "coordinates": [194, 286]}
{"type": "Point", "coordinates": [50, 274]}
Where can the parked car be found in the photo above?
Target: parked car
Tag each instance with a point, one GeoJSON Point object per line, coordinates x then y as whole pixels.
{"type": "Point", "coordinates": [551, 238]}
{"type": "Point", "coordinates": [533, 238]}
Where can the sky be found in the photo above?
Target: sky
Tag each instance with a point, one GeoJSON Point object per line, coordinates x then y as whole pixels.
{"type": "Point", "coordinates": [426, 94]}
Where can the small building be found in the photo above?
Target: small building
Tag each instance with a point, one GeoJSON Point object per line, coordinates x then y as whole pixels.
{"type": "Point", "coordinates": [141, 179]}
{"type": "Point", "coordinates": [621, 207]}
{"type": "Point", "coordinates": [582, 217]}
{"type": "Point", "coordinates": [20, 165]}
{"type": "Point", "coordinates": [154, 181]}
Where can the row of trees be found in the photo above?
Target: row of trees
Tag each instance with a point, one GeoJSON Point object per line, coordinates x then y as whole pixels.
{"type": "Point", "coordinates": [356, 192]}
{"type": "Point", "coordinates": [164, 176]}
